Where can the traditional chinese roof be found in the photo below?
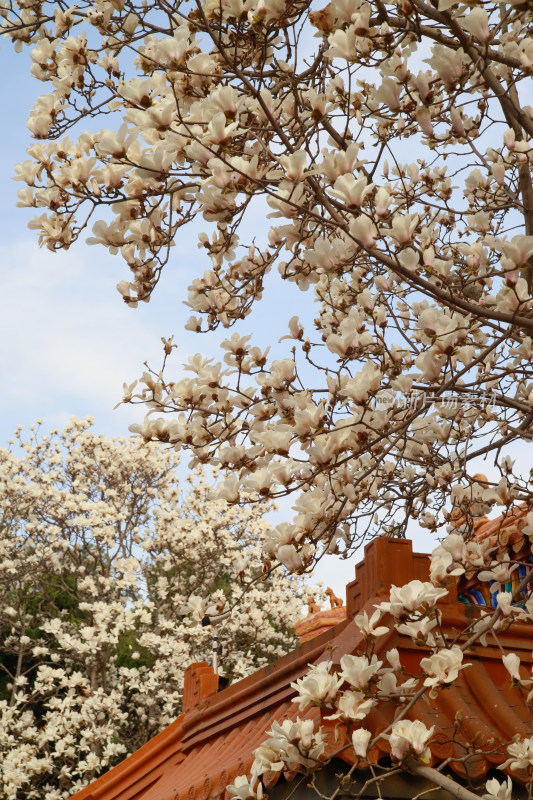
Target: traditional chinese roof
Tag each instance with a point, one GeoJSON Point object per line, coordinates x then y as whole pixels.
{"type": "Point", "coordinates": [506, 535]}
{"type": "Point", "coordinates": [214, 738]}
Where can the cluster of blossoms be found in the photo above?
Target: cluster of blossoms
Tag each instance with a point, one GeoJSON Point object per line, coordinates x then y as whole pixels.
{"type": "Point", "coordinates": [107, 565]}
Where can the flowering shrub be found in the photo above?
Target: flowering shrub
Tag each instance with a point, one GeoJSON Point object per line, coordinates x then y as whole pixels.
{"type": "Point", "coordinates": [107, 564]}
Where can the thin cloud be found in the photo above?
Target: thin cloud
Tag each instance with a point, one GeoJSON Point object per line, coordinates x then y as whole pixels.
{"type": "Point", "coordinates": [68, 340]}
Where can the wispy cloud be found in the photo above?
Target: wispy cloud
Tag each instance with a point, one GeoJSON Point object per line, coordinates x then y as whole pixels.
{"type": "Point", "coordinates": [68, 342]}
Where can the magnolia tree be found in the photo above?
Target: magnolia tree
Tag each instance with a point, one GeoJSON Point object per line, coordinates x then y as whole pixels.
{"type": "Point", "coordinates": [388, 141]}
{"type": "Point", "coordinates": [107, 565]}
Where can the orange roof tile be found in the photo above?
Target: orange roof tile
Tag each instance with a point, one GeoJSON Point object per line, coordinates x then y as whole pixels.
{"type": "Point", "coordinates": [213, 740]}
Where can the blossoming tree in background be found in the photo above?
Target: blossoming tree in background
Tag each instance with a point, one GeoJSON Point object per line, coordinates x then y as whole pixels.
{"type": "Point", "coordinates": [389, 144]}
{"type": "Point", "coordinates": [107, 565]}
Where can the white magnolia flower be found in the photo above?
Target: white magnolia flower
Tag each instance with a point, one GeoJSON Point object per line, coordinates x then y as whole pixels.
{"type": "Point", "coordinates": [350, 190]}
{"type": "Point", "coordinates": [369, 627]}
{"type": "Point", "coordinates": [291, 744]}
{"type": "Point", "coordinates": [504, 601]}
{"type": "Point", "coordinates": [521, 754]}
{"type": "Point", "coordinates": [443, 666]}
{"type": "Point", "coordinates": [411, 597]}
{"type": "Point", "coordinates": [499, 791]}
{"type": "Point", "coordinates": [360, 741]}
{"type": "Point", "coordinates": [500, 570]}
{"type": "Point", "coordinates": [318, 687]}
{"type": "Point", "coordinates": [358, 671]}
{"type": "Point", "coordinates": [243, 789]}
{"type": "Point", "coordinates": [511, 663]}
{"type": "Point", "coordinates": [410, 739]}
{"type": "Point", "coordinates": [477, 23]}
{"type": "Point", "coordinates": [352, 706]}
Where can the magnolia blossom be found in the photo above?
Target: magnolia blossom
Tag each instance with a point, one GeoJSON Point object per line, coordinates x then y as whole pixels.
{"type": "Point", "coordinates": [369, 627]}
{"type": "Point", "coordinates": [243, 789]}
{"type": "Point", "coordinates": [443, 567]}
{"type": "Point", "coordinates": [499, 790]}
{"type": "Point", "coordinates": [318, 687]}
{"type": "Point", "coordinates": [449, 558]}
{"type": "Point", "coordinates": [291, 744]}
{"type": "Point", "coordinates": [477, 23]}
{"type": "Point", "coordinates": [419, 629]}
{"type": "Point", "coordinates": [352, 706]}
{"type": "Point", "coordinates": [500, 571]}
{"type": "Point", "coordinates": [521, 754]}
{"type": "Point", "coordinates": [504, 601]}
{"type": "Point", "coordinates": [350, 190]}
{"type": "Point", "coordinates": [512, 664]}
{"type": "Point", "coordinates": [388, 686]}
{"type": "Point", "coordinates": [443, 666]}
{"type": "Point", "coordinates": [410, 738]}
{"type": "Point", "coordinates": [360, 741]}
{"type": "Point", "coordinates": [413, 596]}
{"type": "Point", "coordinates": [358, 671]}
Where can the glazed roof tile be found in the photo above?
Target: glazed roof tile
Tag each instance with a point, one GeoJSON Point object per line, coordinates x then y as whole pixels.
{"type": "Point", "coordinates": [507, 530]}
{"type": "Point", "coordinates": [214, 739]}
